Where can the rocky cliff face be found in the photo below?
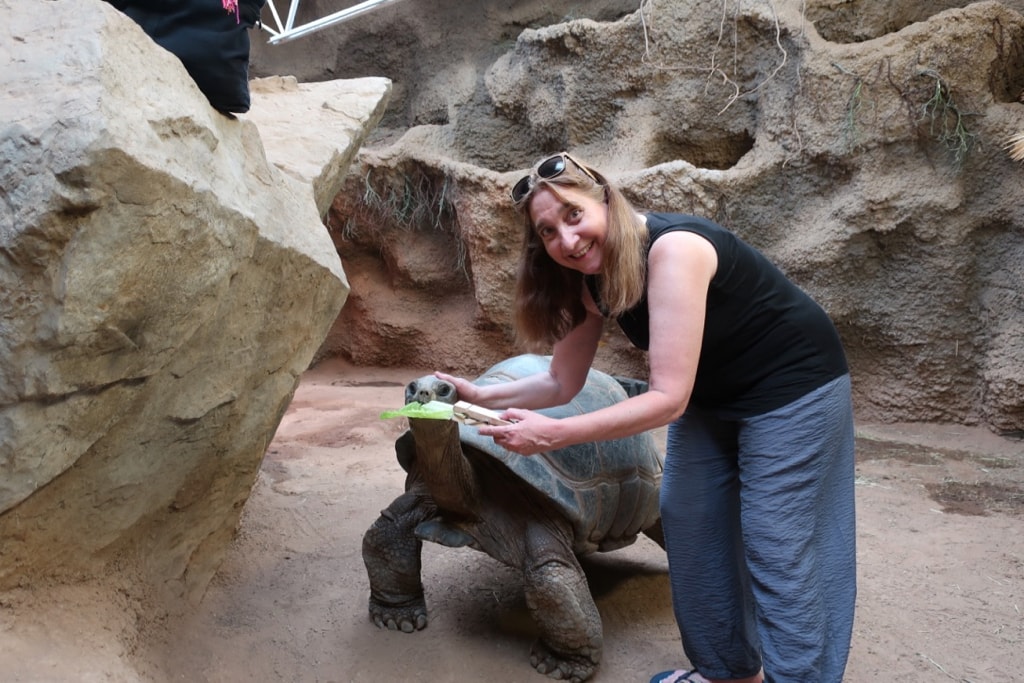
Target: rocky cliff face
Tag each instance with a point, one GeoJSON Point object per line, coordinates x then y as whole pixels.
{"type": "Point", "coordinates": [162, 287]}
{"type": "Point", "coordinates": [860, 145]}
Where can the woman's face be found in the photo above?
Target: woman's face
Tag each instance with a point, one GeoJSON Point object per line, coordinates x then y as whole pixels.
{"type": "Point", "coordinates": [572, 227]}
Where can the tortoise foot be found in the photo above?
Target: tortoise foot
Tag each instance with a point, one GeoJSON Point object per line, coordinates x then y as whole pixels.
{"type": "Point", "coordinates": [575, 668]}
{"type": "Point", "coordinates": [409, 617]}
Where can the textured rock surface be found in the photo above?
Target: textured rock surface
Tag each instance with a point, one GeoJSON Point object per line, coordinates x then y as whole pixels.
{"type": "Point", "coordinates": [312, 131]}
{"type": "Point", "coordinates": [162, 287]}
{"type": "Point", "coordinates": [859, 144]}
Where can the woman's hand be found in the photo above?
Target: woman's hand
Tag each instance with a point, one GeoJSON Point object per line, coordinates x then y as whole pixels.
{"type": "Point", "coordinates": [466, 390]}
{"type": "Point", "coordinates": [530, 433]}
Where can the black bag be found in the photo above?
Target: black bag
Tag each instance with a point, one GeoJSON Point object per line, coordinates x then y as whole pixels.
{"type": "Point", "coordinates": [212, 43]}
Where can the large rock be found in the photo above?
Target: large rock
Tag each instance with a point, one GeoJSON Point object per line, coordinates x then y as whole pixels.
{"type": "Point", "coordinates": [162, 287]}
{"type": "Point", "coordinates": [873, 171]}
{"type": "Point", "coordinates": [312, 131]}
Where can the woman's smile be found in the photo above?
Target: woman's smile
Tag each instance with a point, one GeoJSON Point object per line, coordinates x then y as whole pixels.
{"type": "Point", "coordinates": [580, 253]}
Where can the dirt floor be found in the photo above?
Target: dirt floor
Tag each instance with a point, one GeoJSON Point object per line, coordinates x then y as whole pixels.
{"type": "Point", "coordinates": [941, 566]}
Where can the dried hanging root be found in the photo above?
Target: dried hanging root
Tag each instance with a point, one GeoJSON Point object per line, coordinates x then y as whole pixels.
{"type": "Point", "coordinates": [1015, 147]}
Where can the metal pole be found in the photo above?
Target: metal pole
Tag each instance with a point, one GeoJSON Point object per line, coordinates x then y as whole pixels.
{"type": "Point", "coordinates": [291, 33]}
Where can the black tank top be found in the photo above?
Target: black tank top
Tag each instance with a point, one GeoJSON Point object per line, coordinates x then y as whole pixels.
{"type": "Point", "coordinates": [766, 342]}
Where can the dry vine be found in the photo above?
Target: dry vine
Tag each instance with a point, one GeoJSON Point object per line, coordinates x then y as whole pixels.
{"type": "Point", "coordinates": [714, 70]}
{"type": "Point", "coordinates": [1015, 147]}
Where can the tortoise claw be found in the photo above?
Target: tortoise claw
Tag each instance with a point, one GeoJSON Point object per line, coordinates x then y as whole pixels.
{"type": "Point", "coordinates": [561, 667]}
{"type": "Point", "coordinates": [405, 618]}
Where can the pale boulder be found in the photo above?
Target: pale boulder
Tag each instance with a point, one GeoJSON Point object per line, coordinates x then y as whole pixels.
{"type": "Point", "coordinates": [162, 287]}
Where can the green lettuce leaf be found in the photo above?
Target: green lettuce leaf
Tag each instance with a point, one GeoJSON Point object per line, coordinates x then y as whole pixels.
{"type": "Point", "coordinates": [434, 410]}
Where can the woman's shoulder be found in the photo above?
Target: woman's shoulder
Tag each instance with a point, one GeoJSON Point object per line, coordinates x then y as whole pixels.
{"type": "Point", "coordinates": [658, 223]}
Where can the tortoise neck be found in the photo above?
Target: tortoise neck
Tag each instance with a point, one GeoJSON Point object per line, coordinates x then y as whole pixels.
{"type": "Point", "coordinates": [447, 472]}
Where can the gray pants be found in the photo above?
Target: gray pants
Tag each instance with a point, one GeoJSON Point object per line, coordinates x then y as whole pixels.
{"type": "Point", "coordinates": [760, 532]}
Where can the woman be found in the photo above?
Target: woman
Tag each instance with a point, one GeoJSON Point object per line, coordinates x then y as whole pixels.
{"type": "Point", "coordinates": [757, 498]}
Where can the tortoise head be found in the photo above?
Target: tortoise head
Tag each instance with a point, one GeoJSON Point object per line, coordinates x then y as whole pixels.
{"type": "Point", "coordinates": [430, 388]}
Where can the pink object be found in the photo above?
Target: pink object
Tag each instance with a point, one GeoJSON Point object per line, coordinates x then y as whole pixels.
{"type": "Point", "coordinates": [231, 6]}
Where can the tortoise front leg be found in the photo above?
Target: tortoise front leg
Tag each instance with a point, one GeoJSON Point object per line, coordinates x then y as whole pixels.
{"type": "Point", "coordinates": [558, 597]}
{"type": "Point", "coordinates": [391, 553]}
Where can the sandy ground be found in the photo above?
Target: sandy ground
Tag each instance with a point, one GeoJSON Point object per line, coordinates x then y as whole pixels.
{"type": "Point", "coordinates": [941, 566]}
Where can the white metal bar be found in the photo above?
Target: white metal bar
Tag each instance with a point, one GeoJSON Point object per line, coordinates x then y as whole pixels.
{"type": "Point", "coordinates": [292, 9]}
{"type": "Point", "coordinates": [289, 31]}
{"type": "Point", "coordinates": [277, 20]}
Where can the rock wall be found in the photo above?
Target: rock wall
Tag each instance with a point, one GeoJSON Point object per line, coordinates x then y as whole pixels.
{"type": "Point", "coordinates": [860, 145]}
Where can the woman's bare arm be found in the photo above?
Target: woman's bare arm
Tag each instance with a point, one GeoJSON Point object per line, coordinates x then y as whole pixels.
{"type": "Point", "coordinates": [680, 270]}
{"type": "Point", "coordinates": [570, 362]}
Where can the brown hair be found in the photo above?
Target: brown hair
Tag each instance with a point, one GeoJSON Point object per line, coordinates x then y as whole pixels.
{"type": "Point", "coordinates": [549, 299]}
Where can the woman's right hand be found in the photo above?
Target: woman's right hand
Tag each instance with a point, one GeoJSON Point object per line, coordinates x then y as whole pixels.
{"type": "Point", "coordinates": [466, 390]}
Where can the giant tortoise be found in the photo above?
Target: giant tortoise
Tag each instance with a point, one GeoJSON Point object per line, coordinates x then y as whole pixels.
{"type": "Point", "coordinates": [535, 514]}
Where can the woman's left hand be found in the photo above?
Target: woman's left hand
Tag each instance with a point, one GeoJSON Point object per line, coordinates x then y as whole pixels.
{"type": "Point", "coordinates": [530, 432]}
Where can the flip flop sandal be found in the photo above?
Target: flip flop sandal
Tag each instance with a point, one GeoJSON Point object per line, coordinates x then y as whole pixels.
{"type": "Point", "coordinates": [677, 676]}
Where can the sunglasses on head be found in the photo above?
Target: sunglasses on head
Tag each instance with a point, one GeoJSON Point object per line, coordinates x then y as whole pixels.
{"type": "Point", "coordinates": [549, 168]}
